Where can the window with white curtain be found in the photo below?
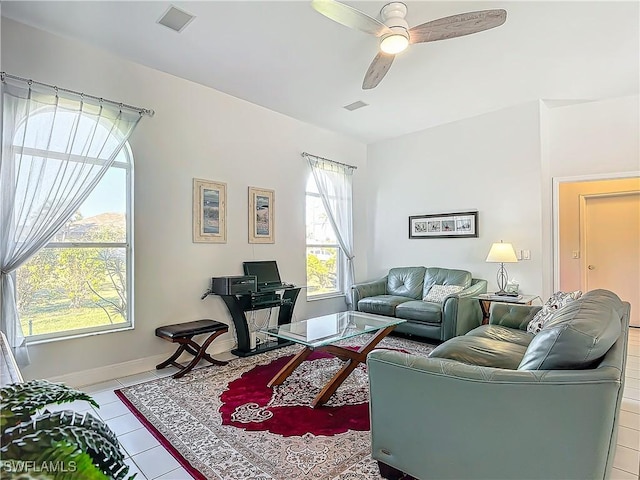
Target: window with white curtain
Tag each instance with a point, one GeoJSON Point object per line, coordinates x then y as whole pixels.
{"type": "Point", "coordinates": [81, 281]}
{"type": "Point", "coordinates": [324, 256]}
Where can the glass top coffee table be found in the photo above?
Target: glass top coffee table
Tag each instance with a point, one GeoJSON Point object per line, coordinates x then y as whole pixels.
{"type": "Point", "coordinates": [322, 333]}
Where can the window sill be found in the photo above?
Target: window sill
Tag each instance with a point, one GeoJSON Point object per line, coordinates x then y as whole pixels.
{"type": "Point", "coordinates": [42, 340]}
{"type": "Point", "coordinates": [327, 296]}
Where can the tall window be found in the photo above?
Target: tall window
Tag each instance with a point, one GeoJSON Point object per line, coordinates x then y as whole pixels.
{"type": "Point", "coordinates": [324, 257]}
{"type": "Point", "coordinates": [80, 282]}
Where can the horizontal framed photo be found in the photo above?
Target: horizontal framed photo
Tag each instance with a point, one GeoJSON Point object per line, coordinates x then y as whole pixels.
{"type": "Point", "coordinates": [444, 225]}
{"type": "Point", "coordinates": [209, 211]}
{"type": "Point", "coordinates": [261, 215]}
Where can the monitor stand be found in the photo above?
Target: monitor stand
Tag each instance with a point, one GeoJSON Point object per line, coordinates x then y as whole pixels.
{"type": "Point", "coordinates": [239, 304]}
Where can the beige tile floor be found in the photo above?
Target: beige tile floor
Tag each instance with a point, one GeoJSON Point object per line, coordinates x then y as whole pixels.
{"type": "Point", "coordinates": [627, 460]}
{"type": "Point", "coordinates": [151, 461]}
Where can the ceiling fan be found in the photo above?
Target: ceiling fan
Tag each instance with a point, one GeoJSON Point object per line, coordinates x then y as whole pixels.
{"type": "Point", "coordinates": [395, 34]}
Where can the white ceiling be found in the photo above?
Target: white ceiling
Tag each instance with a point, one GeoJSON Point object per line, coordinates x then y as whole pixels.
{"type": "Point", "coordinates": [290, 59]}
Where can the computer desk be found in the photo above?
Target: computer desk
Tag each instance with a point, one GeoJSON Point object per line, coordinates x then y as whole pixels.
{"type": "Point", "coordinates": [239, 304]}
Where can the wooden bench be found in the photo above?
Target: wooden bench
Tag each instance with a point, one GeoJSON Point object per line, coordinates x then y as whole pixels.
{"type": "Point", "coordinates": [183, 333]}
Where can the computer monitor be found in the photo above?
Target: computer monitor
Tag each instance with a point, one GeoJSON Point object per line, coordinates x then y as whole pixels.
{"type": "Point", "coordinates": [266, 272]}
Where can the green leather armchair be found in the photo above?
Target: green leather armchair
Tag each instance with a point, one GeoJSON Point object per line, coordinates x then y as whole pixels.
{"type": "Point", "coordinates": [437, 418]}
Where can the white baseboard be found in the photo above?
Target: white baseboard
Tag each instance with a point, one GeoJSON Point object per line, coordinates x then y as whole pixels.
{"type": "Point", "coordinates": [124, 369]}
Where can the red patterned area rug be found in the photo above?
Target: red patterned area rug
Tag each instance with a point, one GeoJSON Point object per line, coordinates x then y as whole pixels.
{"type": "Point", "coordinates": [224, 423]}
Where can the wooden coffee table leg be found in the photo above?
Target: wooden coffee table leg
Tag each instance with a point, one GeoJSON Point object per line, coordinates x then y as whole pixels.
{"type": "Point", "coordinates": [355, 358]}
{"type": "Point", "coordinates": [337, 380]}
{"type": "Point", "coordinates": [288, 369]}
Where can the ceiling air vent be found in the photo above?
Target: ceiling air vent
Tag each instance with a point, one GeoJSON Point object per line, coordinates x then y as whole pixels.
{"type": "Point", "coordinates": [175, 19]}
{"type": "Point", "coordinates": [355, 105]}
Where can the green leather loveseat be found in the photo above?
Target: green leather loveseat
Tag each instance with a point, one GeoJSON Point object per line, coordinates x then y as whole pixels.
{"type": "Point", "coordinates": [400, 294]}
{"type": "Point", "coordinates": [501, 403]}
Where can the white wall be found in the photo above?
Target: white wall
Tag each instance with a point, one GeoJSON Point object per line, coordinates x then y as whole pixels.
{"type": "Point", "coordinates": [503, 164]}
{"type": "Point", "coordinates": [489, 163]}
{"type": "Point", "coordinates": [196, 132]}
{"type": "Point", "coordinates": [586, 141]}
{"type": "Point", "coordinates": [595, 138]}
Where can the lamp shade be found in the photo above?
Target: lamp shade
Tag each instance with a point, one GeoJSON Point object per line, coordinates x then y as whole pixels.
{"type": "Point", "coordinates": [502, 253]}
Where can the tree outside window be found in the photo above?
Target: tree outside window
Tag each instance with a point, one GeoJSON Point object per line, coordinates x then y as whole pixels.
{"type": "Point", "coordinates": [324, 256]}
{"type": "Point", "coordinates": [80, 281]}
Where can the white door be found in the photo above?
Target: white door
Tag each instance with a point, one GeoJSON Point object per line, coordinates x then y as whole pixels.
{"type": "Point", "coordinates": [612, 247]}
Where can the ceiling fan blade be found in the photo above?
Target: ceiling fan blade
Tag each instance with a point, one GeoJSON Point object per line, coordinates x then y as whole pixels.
{"type": "Point", "coordinates": [377, 70]}
{"type": "Point", "coordinates": [457, 25]}
{"type": "Point", "coordinates": [350, 17]}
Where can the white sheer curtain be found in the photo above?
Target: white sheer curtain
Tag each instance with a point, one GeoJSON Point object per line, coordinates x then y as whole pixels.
{"type": "Point", "coordinates": [334, 182]}
{"type": "Point", "coordinates": [55, 149]}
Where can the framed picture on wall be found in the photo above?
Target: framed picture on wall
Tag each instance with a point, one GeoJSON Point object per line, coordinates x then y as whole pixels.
{"type": "Point", "coordinates": [444, 225]}
{"type": "Point", "coordinates": [261, 215]}
{"type": "Point", "coordinates": [209, 211]}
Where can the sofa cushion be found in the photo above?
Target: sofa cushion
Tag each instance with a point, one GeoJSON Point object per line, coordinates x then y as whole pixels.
{"type": "Point", "coordinates": [420, 311]}
{"type": "Point", "coordinates": [578, 335]}
{"type": "Point", "coordinates": [445, 276]}
{"type": "Point", "coordinates": [505, 334]}
{"type": "Point", "coordinates": [437, 293]}
{"type": "Point", "coordinates": [608, 297]}
{"type": "Point", "coordinates": [381, 304]}
{"type": "Point", "coordinates": [484, 352]}
{"type": "Point", "coordinates": [406, 282]}
{"type": "Point", "coordinates": [556, 301]}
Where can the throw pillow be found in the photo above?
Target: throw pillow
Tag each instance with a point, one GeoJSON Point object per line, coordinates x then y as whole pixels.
{"type": "Point", "coordinates": [437, 293]}
{"type": "Point", "coordinates": [556, 301]}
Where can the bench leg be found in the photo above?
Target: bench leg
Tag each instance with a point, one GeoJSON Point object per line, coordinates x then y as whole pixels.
{"type": "Point", "coordinates": [201, 353]}
{"type": "Point", "coordinates": [193, 348]}
{"type": "Point", "coordinates": [172, 359]}
{"type": "Point", "coordinates": [198, 352]}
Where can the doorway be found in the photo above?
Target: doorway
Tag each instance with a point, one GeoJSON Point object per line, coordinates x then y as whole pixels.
{"type": "Point", "coordinates": [598, 238]}
{"type": "Point", "coordinates": [611, 236]}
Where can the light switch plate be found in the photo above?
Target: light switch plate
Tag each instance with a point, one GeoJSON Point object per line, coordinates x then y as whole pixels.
{"type": "Point", "coordinates": [526, 254]}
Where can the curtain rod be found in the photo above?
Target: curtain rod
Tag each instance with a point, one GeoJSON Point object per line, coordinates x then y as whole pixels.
{"type": "Point", "coordinates": [305, 154]}
{"type": "Point", "coordinates": [142, 111]}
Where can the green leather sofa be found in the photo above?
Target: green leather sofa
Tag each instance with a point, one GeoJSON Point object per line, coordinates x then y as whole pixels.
{"type": "Point", "coordinates": [400, 294]}
{"type": "Point", "coordinates": [501, 403]}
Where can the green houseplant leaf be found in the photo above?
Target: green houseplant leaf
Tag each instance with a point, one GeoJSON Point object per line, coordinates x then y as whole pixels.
{"type": "Point", "coordinates": [60, 462]}
{"type": "Point", "coordinates": [21, 400]}
{"type": "Point", "coordinates": [60, 445]}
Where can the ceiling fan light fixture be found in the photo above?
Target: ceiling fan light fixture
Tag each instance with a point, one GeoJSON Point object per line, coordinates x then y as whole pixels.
{"type": "Point", "coordinates": [397, 40]}
{"type": "Point", "coordinates": [394, 43]}
{"type": "Point", "coordinates": [395, 35]}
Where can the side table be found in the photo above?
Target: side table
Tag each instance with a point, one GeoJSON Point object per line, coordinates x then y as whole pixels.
{"type": "Point", "coordinates": [486, 300]}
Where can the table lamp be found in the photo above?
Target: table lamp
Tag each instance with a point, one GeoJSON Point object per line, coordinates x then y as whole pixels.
{"type": "Point", "coordinates": [502, 253]}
